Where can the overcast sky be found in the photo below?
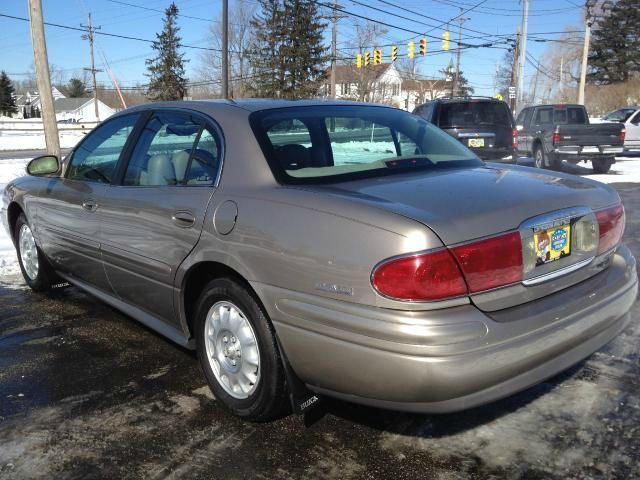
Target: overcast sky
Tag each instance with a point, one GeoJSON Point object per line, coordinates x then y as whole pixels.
{"type": "Point", "coordinates": [67, 51]}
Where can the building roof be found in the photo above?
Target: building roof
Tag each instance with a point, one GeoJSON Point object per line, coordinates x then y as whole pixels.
{"type": "Point", "coordinates": [426, 84]}
{"type": "Point", "coordinates": [351, 73]}
{"type": "Point", "coordinates": [70, 104]}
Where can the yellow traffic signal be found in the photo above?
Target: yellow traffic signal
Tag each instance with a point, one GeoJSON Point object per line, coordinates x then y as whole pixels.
{"type": "Point", "coordinates": [445, 41]}
{"type": "Point", "coordinates": [394, 53]}
{"type": "Point", "coordinates": [423, 46]}
{"type": "Point", "coordinates": [359, 61]}
{"type": "Point", "coordinates": [367, 59]}
{"type": "Point", "coordinates": [377, 57]}
{"type": "Point", "coordinates": [411, 50]}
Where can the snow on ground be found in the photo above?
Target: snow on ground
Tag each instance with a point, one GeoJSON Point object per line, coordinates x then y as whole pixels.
{"type": "Point", "coordinates": [21, 140]}
{"type": "Point", "coordinates": [9, 169]}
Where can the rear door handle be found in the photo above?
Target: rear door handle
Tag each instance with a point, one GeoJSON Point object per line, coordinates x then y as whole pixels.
{"type": "Point", "coordinates": [183, 219]}
{"type": "Point", "coordinates": [90, 205]}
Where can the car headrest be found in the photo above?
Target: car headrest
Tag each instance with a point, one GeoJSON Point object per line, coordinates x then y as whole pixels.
{"type": "Point", "coordinates": [293, 156]}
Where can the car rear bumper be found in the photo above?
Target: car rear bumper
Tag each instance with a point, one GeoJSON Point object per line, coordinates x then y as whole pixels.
{"type": "Point", "coordinates": [576, 153]}
{"type": "Point", "coordinates": [449, 359]}
{"type": "Point", "coordinates": [495, 154]}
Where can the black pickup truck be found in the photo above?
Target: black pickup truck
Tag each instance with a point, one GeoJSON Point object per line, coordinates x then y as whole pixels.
{"type": "Point", "coordinates": [552, 133]}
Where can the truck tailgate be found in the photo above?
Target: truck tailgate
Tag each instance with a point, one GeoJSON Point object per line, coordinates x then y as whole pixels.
{"type": "Point", "coordinates": [590, 135]}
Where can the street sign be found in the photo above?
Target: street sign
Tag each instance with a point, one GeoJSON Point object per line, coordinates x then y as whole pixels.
{"type": "Point", "coordinates": [512, 92]}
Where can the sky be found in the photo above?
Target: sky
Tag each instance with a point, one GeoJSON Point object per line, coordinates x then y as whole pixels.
{"type": "Point", "coordinates": [70, 54]}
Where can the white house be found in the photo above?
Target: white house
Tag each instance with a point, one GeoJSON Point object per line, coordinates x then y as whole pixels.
{"type": "Point", "coordinates": [80, 109]}
{"type": "Point", "coordinates": [383, 83]}
{"type": "Point", "coordinates": [29, 103]}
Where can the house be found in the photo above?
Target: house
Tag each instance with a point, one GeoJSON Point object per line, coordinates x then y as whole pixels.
{"type": "Point", "coordinates": [28, 104]}
{"type": "Point", "coordinates": [80, 109]}
{"type": "Point", "coordinates": [383, 83]}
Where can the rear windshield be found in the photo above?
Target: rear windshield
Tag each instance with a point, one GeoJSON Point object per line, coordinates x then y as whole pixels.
{"type": "Point", "coordinates": [569, 116]}
{"type": "Point", "coordinates": [337, 143]}
{"type": "Point", "coordinates": [471, 114]}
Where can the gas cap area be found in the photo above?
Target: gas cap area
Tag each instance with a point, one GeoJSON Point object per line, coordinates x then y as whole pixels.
{"type": "Point", "coordinates": [225, 217]}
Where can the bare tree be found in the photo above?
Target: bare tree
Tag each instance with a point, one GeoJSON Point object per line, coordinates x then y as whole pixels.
{"type": "Point", "coordinates": [367, 37]}
{"type": "Point", "coordinates": [240, 16]}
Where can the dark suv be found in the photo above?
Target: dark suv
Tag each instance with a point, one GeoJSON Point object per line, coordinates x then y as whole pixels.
{"type": "Point", "coordinates": [483, 124]}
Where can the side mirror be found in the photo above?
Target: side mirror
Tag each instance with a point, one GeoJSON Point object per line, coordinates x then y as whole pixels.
{"type": "Point", "coordinates": [44, 165]}
{"type": "Point", "coordinates": [519, 128]}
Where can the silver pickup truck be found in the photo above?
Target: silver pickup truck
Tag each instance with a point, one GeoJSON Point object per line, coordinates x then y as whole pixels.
{"type": "Point", "coordinates": [552, 133]}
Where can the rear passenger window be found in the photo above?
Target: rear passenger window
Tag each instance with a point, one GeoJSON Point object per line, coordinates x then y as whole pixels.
{"type": "Point", "coordinates": [544, 116]}
{"type": "Point", "coordinates": [174, 149]}
{"type": "Point", "coordinates": [355, 141]}
{"type": "Point", "coordinates": [291, 142]}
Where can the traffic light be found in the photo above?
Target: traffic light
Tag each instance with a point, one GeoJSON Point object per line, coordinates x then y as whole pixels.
{"type": "Point", "coordinates": [412, 48]}
{"type": "Point", "coordinates": [359, 61]}
{"type": "Point", "coordinates": [377, 57]}
{"type": "Point", "coordinates": [445, 41]}
{"type": "Point", "coordinates": [367, 59]}
{"type": "Point", "coordinates": [394, 53]}
{"type": "Point", "coordinates": [423, 46]}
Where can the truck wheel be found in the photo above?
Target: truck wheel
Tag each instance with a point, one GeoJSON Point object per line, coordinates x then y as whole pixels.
{"type": "Point", "coordinates": [602, 165]}
{"type": "Point", "coordinates": [238, 353]}
{"type": "Point", "coordinates": [36, 270]}
{"type": "Point", "coordinates": [539, 157]}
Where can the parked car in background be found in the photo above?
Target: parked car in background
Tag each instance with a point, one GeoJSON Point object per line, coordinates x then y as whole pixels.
{"type": "Point", "coordinates": [553, 133]}
{"type": "Point", "coordinates": [483, 124]}
{"type": "Point", "coordinates": [332, 248]}
{"type": "Point", "coordinates": [630, 117]}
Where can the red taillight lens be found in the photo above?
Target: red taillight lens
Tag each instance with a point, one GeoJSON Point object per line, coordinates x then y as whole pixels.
{"type": "Point", "coordinates": [622, 135]}
{"type": "Point", "coordinates": [556, 137]}
{"type": "Point", "coordinates": [426, 276]}
{"type": "Point", "coordinates": [611, 223]}
{"type": "Point", "coordinates": [514, 138]}
{"type": "Point", "coordinates": [491, 263]}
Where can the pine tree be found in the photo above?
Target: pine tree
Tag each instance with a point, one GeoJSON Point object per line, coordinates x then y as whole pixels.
{"type": "Point", "coordinates": [166, 71]}
{"type": "Point", "coordinates": [7, 98]}
{"type": "Point", "coordinates": [615, 44]}
{"type": "Point", "coordinates": [75, 88]}
{"type": "Point", "coordinates": [288, 52]}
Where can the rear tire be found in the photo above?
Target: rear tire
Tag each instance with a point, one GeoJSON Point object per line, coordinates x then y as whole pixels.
{"type": "Point", "coordinates": [35, 267]}
{"type": "Point", "coordinates": [238, 353]}
{"type": "Point", "coordinates": [602, 165]}
{"type": "Point", "coordinates": [539, 157]}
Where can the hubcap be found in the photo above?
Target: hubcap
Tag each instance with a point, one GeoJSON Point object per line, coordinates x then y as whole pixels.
{"type": "Point", "coordinates": [232, 349]}
{"type": "Point", "coordinates": [28, 252]}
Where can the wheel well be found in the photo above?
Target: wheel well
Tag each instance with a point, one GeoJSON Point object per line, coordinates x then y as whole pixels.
{"type": "Point", "coordinates": [13, 212]}
{"type": "Point", "coordinates": [536, 144]}
{"type": "Point", "coordinates": [198, 277]}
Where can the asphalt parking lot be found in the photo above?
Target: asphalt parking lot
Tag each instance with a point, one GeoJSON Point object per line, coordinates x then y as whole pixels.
{"type": "Point", "coordinates": [86, 392]}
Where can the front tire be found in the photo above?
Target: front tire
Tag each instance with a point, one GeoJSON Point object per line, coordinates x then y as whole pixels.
{"type": "Point", "coordinates": [539, 158]}
{"type": "Point", "coordinates": [602, 165]}
{"type": "Point", "coordinates": [35, 267]}
{"type": "Point", "coordinates": [238, 353]}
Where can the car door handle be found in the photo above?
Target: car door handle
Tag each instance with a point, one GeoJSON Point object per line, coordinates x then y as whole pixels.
{"type": "Point", "coordinates": [90, 205]}
{"type": "Point", "coordinates": [183, 219]}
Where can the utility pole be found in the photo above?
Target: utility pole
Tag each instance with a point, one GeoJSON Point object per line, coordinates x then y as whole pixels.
{"type": "Point", "coordinates": [523, 49]}
{"type": "Point", "coordinates": [514, 71]}
{"type": "Point", "coordinates": [561, 78]}
{"type": "Point", "coordinates": [225, 48]}
{"type": "Point", "coordinates": [42, 76]}
{"type": "Point", "coordinates": [588, 21]}
{"type": "Point", "coordinates": [334, 40]}
{"type": "Point", "coordinates": [456, 80]}
{"type": "Point", "coordinates": [89, 36]}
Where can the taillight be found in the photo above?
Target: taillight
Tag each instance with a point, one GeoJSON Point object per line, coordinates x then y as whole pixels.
{"type": "Point", "coordinates": [514, 138]}
{"type": "Point", "coordinates": [425, 276]}
{"type": "Point", "coordinates": [491, 263]}
{"type": "Point", "coordinates": [622, 134]}
{"type": "Point", "coordinates": [555, 139]}
{"type": "Point", "coordinates": [470, 268]}
{"type": "Point", "coordinates": [611, 225]}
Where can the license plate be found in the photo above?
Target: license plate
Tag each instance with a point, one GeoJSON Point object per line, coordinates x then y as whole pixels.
{"type": "Point", "coordinates": [476, 142]}
{"type": "Point", "coordinates": [552, 244]}
{"type": "Point", "coordinates": [590, 150]}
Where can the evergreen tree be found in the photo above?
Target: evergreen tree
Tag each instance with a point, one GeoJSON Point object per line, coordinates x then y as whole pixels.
{"type": "Point", "coordinates": [7, 99]}
{"type": "Point", "coordinates": [75, 88]}
{"type": "Point", "coordinates": [615, 44]}
{"type": "Point", "coordinates": [288, 52]}
{"type": "Point", "coordinates": [166, 70]}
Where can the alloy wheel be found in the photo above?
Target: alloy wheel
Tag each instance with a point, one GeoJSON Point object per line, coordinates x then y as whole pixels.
{"type": "Point", "coordinates": [28, 252]}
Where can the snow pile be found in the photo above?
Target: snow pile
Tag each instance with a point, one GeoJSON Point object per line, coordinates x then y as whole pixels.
{"type": "Point", "coordinates": [21, 140]}
{"type": "Point", "coordinates": [9, 169]}
{"type": "Point", "coordinates": [625, 170]}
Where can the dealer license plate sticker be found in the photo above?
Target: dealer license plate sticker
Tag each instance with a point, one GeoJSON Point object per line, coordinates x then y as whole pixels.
{"type": "Point", "coordinates": [476, 142]}
{"type": "Point", "coordinates": [552, 244]}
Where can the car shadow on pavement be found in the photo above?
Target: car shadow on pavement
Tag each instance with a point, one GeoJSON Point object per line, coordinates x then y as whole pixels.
{"type": "Point", "coordinates": [438, 425]}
